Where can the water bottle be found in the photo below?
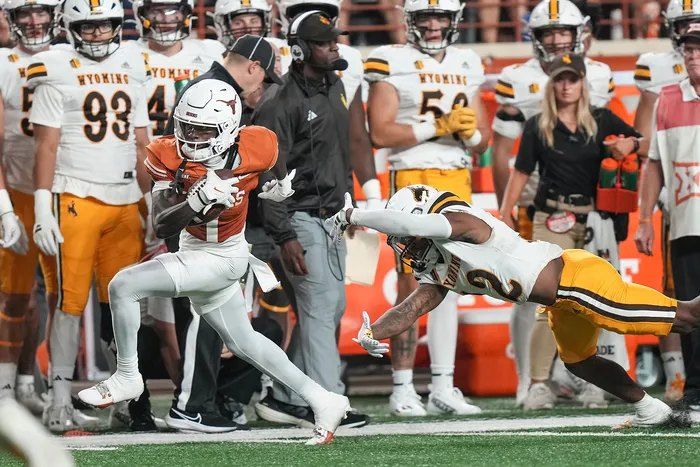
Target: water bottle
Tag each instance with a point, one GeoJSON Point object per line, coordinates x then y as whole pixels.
{"type": "Point", "coordinates": [630, 172]}
{"type": "Point", "coordinates": [608, 173]}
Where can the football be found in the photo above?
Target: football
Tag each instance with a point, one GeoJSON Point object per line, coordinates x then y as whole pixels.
{"type": "Point", "coordinates": [209, 213]}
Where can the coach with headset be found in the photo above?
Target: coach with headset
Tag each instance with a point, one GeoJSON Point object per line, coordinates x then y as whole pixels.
{"type": "Point", "coordinates": [310, 114]}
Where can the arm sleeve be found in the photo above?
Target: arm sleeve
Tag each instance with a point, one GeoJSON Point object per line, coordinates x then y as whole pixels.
{"type": "Point", "coordinates": [527, 158]}
{"type": "Point", "coordinates": [47, 106]}
{"type": "Point", "coordinates": [393, 222]}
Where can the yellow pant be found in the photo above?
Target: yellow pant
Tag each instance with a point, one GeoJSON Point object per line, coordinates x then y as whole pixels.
{"type": "Point", "coordinates": [17, 272]}
{"type": "Point", "coordinates": [592, 295]}
{"type": "Point", "coordinates": [99, 240]}
{"type": "Point", "coordinates": [457, 181]}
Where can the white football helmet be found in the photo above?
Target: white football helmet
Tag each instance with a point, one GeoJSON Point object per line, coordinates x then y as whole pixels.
{"type": "Point", "coordinates": [419, 254]}
{"type": "Point", "coordinates": [551, 14]}
{"type": "Point", "coordinates": [291, 8]}
{"type": "Point", "coordinates": [13, 8]}
{"type": "Point", "coordinates": [207, 120]}
{"type": "Point", "coordinates": [75, 13]}
{"type": "Point", "coordinates": [679, 14]}
{"type": "Point", "coordinates": [163, 32]}
{"type": "Point", "coordinates": [414, 9]}
{"type": "Point", "coordinates": [225, 10]}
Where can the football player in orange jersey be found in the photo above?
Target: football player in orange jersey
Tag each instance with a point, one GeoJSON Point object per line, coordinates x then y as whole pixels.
{"type": "Point", "coordinates": [213, 252]}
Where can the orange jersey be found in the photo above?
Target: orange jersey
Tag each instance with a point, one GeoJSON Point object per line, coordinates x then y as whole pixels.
{"type": "Point", "coordinates": [257, 149]}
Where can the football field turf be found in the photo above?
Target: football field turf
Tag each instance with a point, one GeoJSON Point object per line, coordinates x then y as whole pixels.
{"type": "Point", "coordinates": [501, 436]}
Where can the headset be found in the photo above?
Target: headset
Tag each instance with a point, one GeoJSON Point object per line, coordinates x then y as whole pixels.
{"type": "Point", "coordinates": [300, 50]}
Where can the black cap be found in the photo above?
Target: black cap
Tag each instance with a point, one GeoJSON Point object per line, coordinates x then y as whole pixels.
{"type": "Point", "coordinates": [693, 32]}
{"type": "Point", "coordinates": [314, 26]}
{"type": "Point", "coordinates": [257, 49]}
{"type": "Point", "coordinates": [568, 62]}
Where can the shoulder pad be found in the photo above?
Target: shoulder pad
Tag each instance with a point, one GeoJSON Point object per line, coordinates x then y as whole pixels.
{"type": "Point", "coordinates": [51, 66]}
{"type": "Point", "coordinates": [517, 83]}
{"type": "Point", "coordinates": [388, 60]}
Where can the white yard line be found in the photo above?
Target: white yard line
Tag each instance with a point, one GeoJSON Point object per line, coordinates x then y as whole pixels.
{"type": "Point", "coordinates": [454, 427]}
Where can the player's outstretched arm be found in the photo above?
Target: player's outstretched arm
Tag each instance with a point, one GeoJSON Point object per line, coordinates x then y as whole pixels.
{"type": "Point", "coordinates": [459, 226]}
{"type": "Point", "coordinates": [399, 318]}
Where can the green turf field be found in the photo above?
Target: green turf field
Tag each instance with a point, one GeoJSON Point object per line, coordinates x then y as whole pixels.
{"type": "Point", "coordinates": [527, 446]}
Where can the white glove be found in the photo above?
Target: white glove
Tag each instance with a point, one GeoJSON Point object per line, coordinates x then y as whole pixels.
{"type": "Point", "coordinates": [213, 190]}
{"type": "Point", "coordinates": [21, 247]}
{"type": "Point", "coordinates": [11, 226]}
{"type": "Point", "coordinates": [337, 224]}
{"type": "Point", "coordinates": [278, 190]}
{"type": "Point", "coordinates": [367, 341]}
{"type": "Point", "coordinates": [47, 234]}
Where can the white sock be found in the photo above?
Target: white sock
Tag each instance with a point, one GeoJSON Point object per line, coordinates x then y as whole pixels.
{"type": "Point", "coordinates": [442, 377]}
{"type": "Point", "coordinates": [8, 373]}
{"type": "Point", "coordinates": [402, 378]}
{"type": "Point", "coordinates": [25, 382]}
{"type": "Point", "coordinates": [442, 341]}
{"type": "Point", "coordinates": [128, 368]}
{"type": "Point", "coordinates": [65, 333]}
{"type": "Point", "coordinates": [522, 319]}
{"type": "Point", "coordinates": [673, 365]}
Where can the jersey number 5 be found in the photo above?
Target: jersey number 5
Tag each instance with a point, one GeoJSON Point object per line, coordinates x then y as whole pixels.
{"type": "Point", "coordinates": [95, 112]}
{"type": "Point", "coordinates": [26, 106]}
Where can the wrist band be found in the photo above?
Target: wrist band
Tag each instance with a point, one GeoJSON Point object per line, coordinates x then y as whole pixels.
{"type": "Point", "coordinates": [423, 131]}
{"type": "Point", "coordinates": [474, 140]}
{"type": "Point", "coordinates": [644, 220]}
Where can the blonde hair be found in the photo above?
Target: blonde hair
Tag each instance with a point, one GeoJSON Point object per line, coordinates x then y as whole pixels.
{"type": "Point", "coordinates": [548, 117]}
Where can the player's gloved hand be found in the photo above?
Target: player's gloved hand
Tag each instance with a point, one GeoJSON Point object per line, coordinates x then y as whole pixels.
{"type": "Point", "coordinates": [460, 120]}
{"type": "Point", "coordinates": [367, 341]}
{"type": "Point", "coordinates": [21, 246]}
{"type": "Point", "coordinates": [337, 224]}
{"type": "Point", "coordinates": [278, 190]}
{"type": "Point", "coordinates": [47, 234]}
{"type": "Point", "coordinates": [11, 226]}
{"type": "Point", "coordinates": [213, 190]}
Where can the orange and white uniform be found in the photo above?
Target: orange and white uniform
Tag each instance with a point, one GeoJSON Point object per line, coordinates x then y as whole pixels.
{"type": "Point", "coordinates": [215, 255]}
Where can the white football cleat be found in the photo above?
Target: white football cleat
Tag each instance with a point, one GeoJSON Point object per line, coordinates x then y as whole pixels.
{"type": "Point", "coordinates": [405, 402]}
{"type": "Point", "coordinates": [327, 416]}
{"type": "Point", "coordinates": [655, 414]}
{"type": "Point", "coordinates": [539, 397]}
{"type": "Point", "coordinates": [112, 390]}
{"type": "Point", "coordinates": [521, 392]}
{"type": "Point", "coordinates": [450, 401]}
{"type": "Point", "coordinates": [27, 396]}
{"type": "Point", "coordinates": [62, 418]}
{"type": "Point", "coordinates": [592, 397]}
